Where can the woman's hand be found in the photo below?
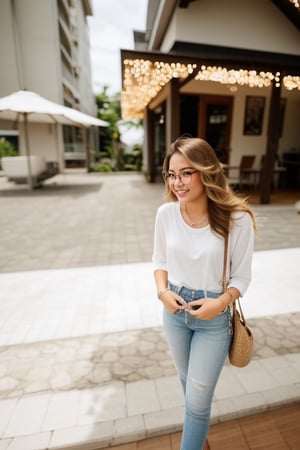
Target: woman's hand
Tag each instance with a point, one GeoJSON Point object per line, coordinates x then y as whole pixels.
{"type": "Point", "coordinates": [205, 309]}
{"type": "Point", "coordinates": [172, 301]}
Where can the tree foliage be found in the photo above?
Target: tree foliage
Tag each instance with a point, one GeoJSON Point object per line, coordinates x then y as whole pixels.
{"type": "Point", "coordinates": [112, 148]}
{"type": "Point", "coordinates": [109, 109]}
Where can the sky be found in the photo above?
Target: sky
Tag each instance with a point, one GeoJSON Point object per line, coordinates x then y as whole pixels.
{"type": "Point", "coordinates": [111, 28]}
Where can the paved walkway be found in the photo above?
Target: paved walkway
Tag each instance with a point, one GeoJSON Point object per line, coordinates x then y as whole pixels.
{"type": "Point", "coordinates": [83, 359]}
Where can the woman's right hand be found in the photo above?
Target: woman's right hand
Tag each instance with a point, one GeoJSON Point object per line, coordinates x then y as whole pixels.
{"type": "Point", "coordinates": [172, 301]}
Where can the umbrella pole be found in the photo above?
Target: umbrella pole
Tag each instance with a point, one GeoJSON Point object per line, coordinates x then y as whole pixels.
{"type": "Point", "coordinates": [30, 182]}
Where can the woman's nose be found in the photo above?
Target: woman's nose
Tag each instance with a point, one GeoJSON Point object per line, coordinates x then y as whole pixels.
{"type": "Point", "coordinates": [178, 180]}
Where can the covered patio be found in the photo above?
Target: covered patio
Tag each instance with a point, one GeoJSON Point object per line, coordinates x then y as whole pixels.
{"type": "Point", "coordinates": [154, 84]}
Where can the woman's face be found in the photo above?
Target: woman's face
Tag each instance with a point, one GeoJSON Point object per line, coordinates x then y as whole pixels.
{"type": "Point", "coordinates": [184, 180]}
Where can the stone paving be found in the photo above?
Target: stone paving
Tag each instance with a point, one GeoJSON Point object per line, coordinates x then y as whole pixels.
{"type": "Point", "coordinates": [93, 220]}
{"type": "Point", "coordinates": [127, 356]}
{"type": "Point", "coordinates": [77, 221]}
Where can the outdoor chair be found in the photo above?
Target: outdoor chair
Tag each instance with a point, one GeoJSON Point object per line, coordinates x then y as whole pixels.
{"type": "Point", "coordinates": [244, 174]}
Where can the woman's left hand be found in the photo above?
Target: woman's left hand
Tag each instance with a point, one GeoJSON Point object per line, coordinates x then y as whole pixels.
{"type": "Point", "coordinates": [206, 308]}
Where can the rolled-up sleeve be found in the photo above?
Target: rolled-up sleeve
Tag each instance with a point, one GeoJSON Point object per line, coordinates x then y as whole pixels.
{"type": "Point", "coordinates": [241, 252]}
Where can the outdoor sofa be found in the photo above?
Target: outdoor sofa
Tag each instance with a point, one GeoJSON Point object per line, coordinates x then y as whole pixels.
{"type": "Point", "coordinates": [15, 168]}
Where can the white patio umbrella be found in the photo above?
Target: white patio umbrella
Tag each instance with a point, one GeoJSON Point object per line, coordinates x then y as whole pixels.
{"type": "Point", "coordinates": [22, 106]}
{"type": "Point", "coordinates": [85, 119]}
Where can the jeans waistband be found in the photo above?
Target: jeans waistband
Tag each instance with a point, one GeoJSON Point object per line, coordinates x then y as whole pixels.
{"type": "Point", "coordinates": [193, 293]}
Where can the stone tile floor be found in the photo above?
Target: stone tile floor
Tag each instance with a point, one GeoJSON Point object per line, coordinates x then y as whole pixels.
{"type": "Point", "coordinates": [126, 356]}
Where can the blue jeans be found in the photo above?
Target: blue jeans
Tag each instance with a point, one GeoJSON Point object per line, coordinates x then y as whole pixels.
{"type": "Point", "coordinates": [198, 348]}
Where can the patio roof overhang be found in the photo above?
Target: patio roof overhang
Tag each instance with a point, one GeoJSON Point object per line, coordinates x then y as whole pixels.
{"type": "Point", "coordinates": [144, 74]}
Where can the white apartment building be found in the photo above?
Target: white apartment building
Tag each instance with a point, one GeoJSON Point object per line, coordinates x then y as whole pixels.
{"type": "Point", "coordinates": [44, 48]}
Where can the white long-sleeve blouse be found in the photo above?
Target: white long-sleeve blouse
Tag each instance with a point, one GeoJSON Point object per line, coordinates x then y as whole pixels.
{"type": "Point", "coordinates": [193, 257]}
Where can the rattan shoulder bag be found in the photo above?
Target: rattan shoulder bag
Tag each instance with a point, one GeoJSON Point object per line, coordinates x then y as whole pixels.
{"type": "Point", "coordinates": [241, 348]}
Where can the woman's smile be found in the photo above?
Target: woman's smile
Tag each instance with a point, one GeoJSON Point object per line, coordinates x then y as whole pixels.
{"type": "Point", "coordinates": [181, 192]}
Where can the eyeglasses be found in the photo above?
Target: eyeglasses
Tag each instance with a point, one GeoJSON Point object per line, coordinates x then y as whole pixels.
{"type": "Point", "coordinates": [185, 177]}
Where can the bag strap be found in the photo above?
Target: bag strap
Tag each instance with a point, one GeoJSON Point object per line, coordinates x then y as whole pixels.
{"type": "Point", "coordinates": [241, 311]}
{"type": "Point", "coordinates": [224, 281]}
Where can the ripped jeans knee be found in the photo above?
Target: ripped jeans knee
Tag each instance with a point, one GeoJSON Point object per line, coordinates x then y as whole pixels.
{"type": "Point", "coordinates": [198, 398]}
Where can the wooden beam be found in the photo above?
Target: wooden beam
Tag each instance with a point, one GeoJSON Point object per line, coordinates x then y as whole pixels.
{"type": "Point", "coordinates": [229, 57]}
{"type": "Point", "coordinates": [149, 145]}
{"type": "Point", "coordinates": [173, 112]}
{"type": "Point", "coordinates": [272, 146]}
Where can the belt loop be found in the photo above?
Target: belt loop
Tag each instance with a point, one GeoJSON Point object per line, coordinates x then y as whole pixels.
{"type": "Point", "coordinates": [176, 288]}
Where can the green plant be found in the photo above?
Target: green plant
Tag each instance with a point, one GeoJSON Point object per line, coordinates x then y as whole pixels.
{"type": "Point", "coordinates": [6, 149]}
{"type": "Point", "coordinates": [105, 167]}
{"type": "Point", "coordinates": [138, 154]}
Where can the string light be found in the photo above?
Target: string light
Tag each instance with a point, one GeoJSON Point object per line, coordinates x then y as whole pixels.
{"type": "Point", "coordinates": [241, 77]}
{"type": "Point", "coordinates": [143, 79]}
{"type": "Point", "coordinates": [291, 83]}
{"type": "Point", "coordinates": [296, 3]}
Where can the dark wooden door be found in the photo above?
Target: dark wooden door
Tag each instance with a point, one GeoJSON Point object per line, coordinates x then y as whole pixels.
{"type": "Point", "coordinates": [215, 118]}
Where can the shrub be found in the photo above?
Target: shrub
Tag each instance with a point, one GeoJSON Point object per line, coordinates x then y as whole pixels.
{"type": "Point", "coordinates": [105, 167]}
{"type": "Point", "coordinates": [6, 149]}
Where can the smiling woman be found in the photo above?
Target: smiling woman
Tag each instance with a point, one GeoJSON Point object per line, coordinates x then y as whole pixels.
{"type": "Point", "coordinates": [202, 213]}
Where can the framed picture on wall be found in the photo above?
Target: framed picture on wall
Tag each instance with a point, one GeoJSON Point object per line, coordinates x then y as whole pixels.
{"type": "Point", "coordinates": [254, 114]}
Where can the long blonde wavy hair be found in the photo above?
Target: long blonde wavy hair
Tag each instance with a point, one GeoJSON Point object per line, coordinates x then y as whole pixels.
{"type": "Point", "coordinates": [222, 201]}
